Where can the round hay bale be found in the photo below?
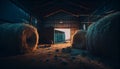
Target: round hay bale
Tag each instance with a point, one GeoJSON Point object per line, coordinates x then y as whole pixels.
{"type": "Point", "coordinates": [79, 40]}
{"type": "Point", "coordinates": [17, 39]}
{"type": "Point", "coordinates": [102, 36]}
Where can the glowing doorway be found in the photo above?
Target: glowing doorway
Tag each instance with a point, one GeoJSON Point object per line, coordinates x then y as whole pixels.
{"type": "Point", "coordinates": [66, 32]}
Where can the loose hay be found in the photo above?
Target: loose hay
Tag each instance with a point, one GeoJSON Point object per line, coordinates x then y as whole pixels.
{"type": "Point", "coordinates": [79, 40]}
{"type": "Point", "coordinates": [17, 39]}
{"type": "Point", "coordinates": [102, 36]}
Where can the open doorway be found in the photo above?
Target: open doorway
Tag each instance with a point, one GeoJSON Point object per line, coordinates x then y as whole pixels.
{"type": "Point", "coordinates": [61, 35]}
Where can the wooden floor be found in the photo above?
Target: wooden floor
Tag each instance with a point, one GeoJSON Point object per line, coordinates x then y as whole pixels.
{"type": "Point", "coordinates": [52, 58]}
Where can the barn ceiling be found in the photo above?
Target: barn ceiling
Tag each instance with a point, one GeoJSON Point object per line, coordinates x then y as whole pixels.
{"type": "Point", "coordinates": [43, 8]}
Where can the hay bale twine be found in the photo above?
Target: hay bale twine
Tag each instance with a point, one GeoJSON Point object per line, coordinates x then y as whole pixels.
{"type": "Point", "coordinates": [102, 36]}
{"type": "Point", "coordinates": [17, 39]}
{"type": "Point", "coordinates": [79, 40]}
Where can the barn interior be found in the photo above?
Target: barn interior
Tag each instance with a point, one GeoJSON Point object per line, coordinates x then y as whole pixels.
{"type": "Point", "coordinates": [59, 34]}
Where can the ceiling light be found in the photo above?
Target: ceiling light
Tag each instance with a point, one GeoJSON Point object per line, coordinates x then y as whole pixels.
{"type": "Point", "coordinates": [61, 22]}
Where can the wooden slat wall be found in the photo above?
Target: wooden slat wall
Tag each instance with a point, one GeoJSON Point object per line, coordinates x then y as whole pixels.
{"type": "Point", "coordinates": [68, 20]}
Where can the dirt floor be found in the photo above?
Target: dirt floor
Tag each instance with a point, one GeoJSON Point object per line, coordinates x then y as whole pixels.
{"type": "Point", "coordinates": [57, 56]}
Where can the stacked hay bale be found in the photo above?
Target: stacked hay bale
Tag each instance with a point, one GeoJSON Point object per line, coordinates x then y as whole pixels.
{"type": "Point", "coordinates": [102, 36]}
{"type": "Point", "coordinates": [17, 39]}
{"type": "Point", "coordinates": [79, 40]}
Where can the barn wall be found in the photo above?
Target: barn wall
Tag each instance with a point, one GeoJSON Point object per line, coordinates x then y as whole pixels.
{"type": "Point", "coordinates": [67, 20]}
{"type": "Point", "coordinates": [46, 35]}
{"type": "Point", "coordinates": [11, 13]}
